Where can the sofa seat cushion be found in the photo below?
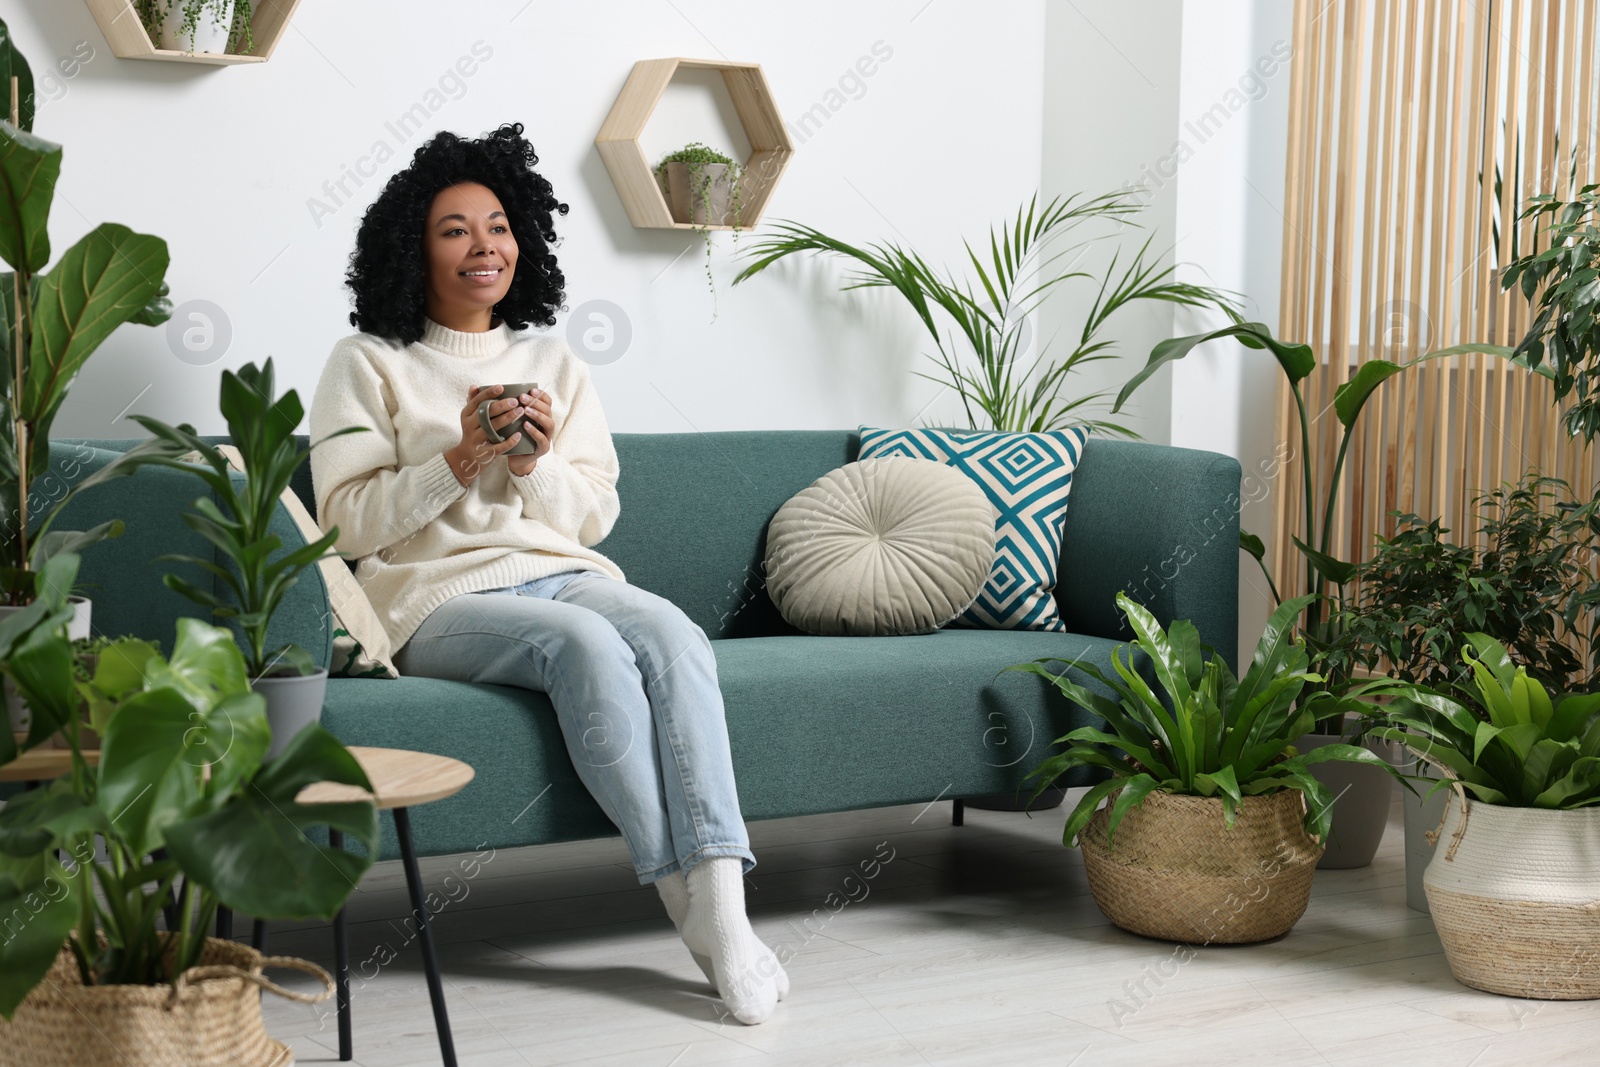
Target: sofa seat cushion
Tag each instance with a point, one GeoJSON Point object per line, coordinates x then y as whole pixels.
{"type": "Point", "coordinates": [817, 724]}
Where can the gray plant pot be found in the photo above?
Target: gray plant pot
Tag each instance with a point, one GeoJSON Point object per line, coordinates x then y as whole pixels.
{"type": "Point", "coordinates": [1424, 814]}
{"type": "Point", "coordinates": [293, 702]}
{"type": "Point", "coordinates": [711, 207]}
{"type": "Point", "coordinates": [1361, 805]}
{"type": "Point", "coordinates": [16, 707]}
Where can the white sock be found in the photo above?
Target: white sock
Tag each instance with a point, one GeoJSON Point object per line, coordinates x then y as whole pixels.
{"type": "Point", "coordinates": [674, 892]}
{"type": "Point", "coordinates": [746, 973]}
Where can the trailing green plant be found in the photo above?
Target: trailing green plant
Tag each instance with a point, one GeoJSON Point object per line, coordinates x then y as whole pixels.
{"type": "Point", "coordinates": [1207, 733]}
{"type": "Point", "coordinates": [1518, 746]}
{"type": "Point", "coordinates": [696, 157]}
{"type": "Point", "coordinates": [1003, 392]}
{"type": "Point", "coordinates": [240, 38]}
{"type": "Point", "coordinates": [262, 427]}
{"type": "Point", "coordinates": [1533, 586]}
{"type": "Point", "coordinates": [51, 322]}
{"type": "Point", "coordinates": [182, 811]}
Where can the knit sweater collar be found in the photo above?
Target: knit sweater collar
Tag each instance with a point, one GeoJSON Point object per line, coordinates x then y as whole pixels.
{"type": "Point", "coordinates": [467, 345]}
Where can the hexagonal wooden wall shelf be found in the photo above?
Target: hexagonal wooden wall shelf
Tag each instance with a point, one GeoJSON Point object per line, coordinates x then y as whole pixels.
{"type": "Point", "coordinates": [128, 38]}
{"type": "Point", "coordinates": [631, 172]}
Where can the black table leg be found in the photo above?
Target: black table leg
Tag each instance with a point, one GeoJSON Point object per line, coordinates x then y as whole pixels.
{"type": "Point", "coordinates": [341, 971]}
{"type": "Point", "coordinates": [958, 812]}
{"type": "Point", "coordinates": [224, 923]}
{"type": "Point", "coordinates": [408, 856]}
{"type": "Point", "coordinates": [258, 936]}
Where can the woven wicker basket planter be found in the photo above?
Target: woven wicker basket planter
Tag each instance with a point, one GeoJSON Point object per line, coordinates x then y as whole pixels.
{"type": "Point", "coordinates": [1515, 896]}
{"type": "Point", "coordinates": [210, 1018]}
{"type": "Point", "coordinates": [1178, 874]}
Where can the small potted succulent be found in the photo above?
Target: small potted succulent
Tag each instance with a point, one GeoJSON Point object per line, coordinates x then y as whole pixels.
{"type": "Point", "coordinates": [1512, 882]}
{"type": "Point", "coordinates": [261, 425]}
{"type": "Point", "coordinates": [703, 187]}
{"type": "Point", "coordinates": [198, 25]}
{"type": "Point", "coordinates": [1212, 821]}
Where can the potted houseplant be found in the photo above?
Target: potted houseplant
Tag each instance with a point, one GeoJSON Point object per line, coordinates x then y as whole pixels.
{"type": "Point", "coordinates": [198, 25]}
{"type": "Point", "coordinates": [51, 322]}
{"type": "Point", "coordinates": [1005, 391]}
{"type": "Point", "coordinates": [1529, 582]}
{"type": "Point", "coordinates": [181, 814]}
{"type": "Point", "coordinates": [1210, 822]}
{"type": "Point", "coordinates": [703, 187]}
{"type": "Point", "coordinates": [1361, 813]}
{"type": "Point", "coordinates": [261, 425]}
{"type": "Point", "coordinates": [1512, 881]}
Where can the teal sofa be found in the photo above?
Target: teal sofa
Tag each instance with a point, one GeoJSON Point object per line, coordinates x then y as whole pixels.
{"type": "Point", "coordinates": [817, 724]}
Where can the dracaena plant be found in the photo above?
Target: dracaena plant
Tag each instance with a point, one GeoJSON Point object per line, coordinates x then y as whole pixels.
{"type": "Point", "coordinates": [1004, 390]}
{"type": "Point", "coordinates": [51, 322]}
{"type": "Point", "coordinates": [181, 813]}
{"type": "Point", "coordinates": [1519, 747]}
{"type": "Point", "coordinates": [1207, 733]}
{"type": "Point", "coordinates": [262, 427]}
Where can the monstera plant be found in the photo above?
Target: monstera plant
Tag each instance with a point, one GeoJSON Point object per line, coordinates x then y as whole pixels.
{"type": "Point", "coordinates": [51, 322]}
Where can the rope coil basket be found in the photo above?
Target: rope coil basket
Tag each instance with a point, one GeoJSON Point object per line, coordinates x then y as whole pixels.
{"type": "Point", "coordinates": [209, 1017]}
{"type": "Point", "coordinates": [1515, 896]}
{"type": "Point", "coordinates": [1176, 873]}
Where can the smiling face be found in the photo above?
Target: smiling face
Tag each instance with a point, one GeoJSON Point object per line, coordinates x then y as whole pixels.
{"type": "Point", "coordinates": [471, 256]}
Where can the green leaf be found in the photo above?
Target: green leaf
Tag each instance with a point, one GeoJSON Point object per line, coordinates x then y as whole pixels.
{"type": "Point", "coordinates": [1297, 360]}
{"type": "Point", "coordinates": [38, 919]}
{"type": "Point", "coordinates": [1222, 781]}
{"type": "Point", "coordinates": [1088, 804]}
{"type": "Point", "coordinates": [1134, 789]}
{"type": "Point", "coordinates": [12, 64]}
{"type": "Point", "coordinates": [1351, 397]}
{"type": "Point", "coordinates": [149, 772]}
{"type": "Point", "coordinates": [1335, 571]}
{"type": "Point", "coordinates": [1252, 544]}
{"type": "Point", "coordinates": [253, 852]}
{"type": "Point", "coordinates": [29, 169]}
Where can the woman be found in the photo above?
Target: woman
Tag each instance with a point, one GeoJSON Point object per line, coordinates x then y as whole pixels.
{"type": "Point", "coordinates": [481, 562]}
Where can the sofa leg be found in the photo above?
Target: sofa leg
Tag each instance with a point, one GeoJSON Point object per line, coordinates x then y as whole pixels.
{"type": "Point", "coordinates": [958, 813]}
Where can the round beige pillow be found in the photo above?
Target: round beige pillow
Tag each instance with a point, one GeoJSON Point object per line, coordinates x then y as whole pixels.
{"type": "Point", "coordinates": [893, 545]}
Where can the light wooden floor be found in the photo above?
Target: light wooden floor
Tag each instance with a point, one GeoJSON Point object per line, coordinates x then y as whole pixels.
{"type": "Point", "coordinates": [971, 945]}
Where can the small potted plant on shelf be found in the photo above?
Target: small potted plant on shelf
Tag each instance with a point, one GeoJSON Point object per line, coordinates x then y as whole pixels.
{"type": "Point", "coordinates": [705, 188]}
{"type": "Point", "coordinates": [262, 427]}
{"type": "Point", "coordinates": [180, 814]}
{"type": "Point", "coordinates": [1210, 824]}
{"type": "Point", "coordinates": [110, 276]}
{"type": "Point", "coordinates": [1512, 881]}
{"type": "Point", "coordinates": [198, 25]}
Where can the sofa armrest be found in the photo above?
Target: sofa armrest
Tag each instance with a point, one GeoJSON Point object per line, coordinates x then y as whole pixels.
{"type": "Point", "coordinates": [1162, 524]}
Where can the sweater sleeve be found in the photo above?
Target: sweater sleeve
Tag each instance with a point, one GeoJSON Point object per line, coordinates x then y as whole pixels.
{"type": "Point", "coordinates": [573, 488]}
{"type": "Point", "coordinates": [357, 484]}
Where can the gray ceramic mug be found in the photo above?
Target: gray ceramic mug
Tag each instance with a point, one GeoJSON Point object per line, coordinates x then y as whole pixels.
{"type": "Point", "coordinates": [526, 445]}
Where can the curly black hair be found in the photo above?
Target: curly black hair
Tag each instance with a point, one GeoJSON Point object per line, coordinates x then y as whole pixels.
{"type": "Point", "coordinates": [388, 268]}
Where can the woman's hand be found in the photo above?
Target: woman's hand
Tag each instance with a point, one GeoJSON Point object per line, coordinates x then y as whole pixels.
{"type": "Point", "coordinates": [541, 428]}
{"type": "Point", "coordinates": [475, 451]}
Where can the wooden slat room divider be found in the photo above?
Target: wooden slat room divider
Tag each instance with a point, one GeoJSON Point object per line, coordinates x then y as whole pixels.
{"type": "Point", "coordinates": [1417, 129]}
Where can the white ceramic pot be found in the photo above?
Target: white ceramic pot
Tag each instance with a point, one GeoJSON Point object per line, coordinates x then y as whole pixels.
{"type": "Point", "coordinates": [1515, 895]}
{"type": "Point", "coordinates": [294, 701]}
{"type": "Point", "coordinates": [210, 32]}
{"type": "Point", "coordinates": [78, 627]}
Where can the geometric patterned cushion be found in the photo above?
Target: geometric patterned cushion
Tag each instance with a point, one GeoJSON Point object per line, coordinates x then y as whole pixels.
{"type": "Point", "coordinates": [1027, 477]}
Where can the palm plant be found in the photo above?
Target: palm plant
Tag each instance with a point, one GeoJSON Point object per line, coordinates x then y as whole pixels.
{"type": "Point", "coordinates": [1208, 734]}
{"type": "Point", "coordinates": [1525, 750]}
{"type": "Point", "coordinates": [1002, 389]}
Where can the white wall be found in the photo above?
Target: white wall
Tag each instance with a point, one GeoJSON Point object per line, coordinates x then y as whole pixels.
{"type": "Point", "coordinates": [238, 168]}
{"type": "Point", "coordinates": [1234, 106]}
{"type": "Point", "coordinates": [1111, 105]}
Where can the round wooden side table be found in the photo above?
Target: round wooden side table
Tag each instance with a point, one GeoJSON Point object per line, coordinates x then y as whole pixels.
{"type": "Point", "coordinates": [400, 779]}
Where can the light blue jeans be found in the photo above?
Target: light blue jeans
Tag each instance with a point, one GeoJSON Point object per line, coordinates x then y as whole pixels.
{"type": "Point", "coordinates": [634, 686]}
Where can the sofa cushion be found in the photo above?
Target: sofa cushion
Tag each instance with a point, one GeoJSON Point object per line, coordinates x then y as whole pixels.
{"type": "Point", "coordinates": [1028, 477]}
{"type": "Point", "coordinates": [880, 547]}
{"type": "Point", "coordinates": [817, 724]}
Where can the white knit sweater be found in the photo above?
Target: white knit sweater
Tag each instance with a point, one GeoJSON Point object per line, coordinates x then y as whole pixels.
{"type": "Point", "coordinates": [420, 536]}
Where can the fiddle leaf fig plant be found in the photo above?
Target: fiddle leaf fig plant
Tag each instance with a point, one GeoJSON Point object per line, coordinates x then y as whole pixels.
{"type": "Point", "coordinates": [180, 813]}
{"type": "Point", "coordinates": [262, 426]}
{"type": "Point", "coordinates": [51, 322]}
